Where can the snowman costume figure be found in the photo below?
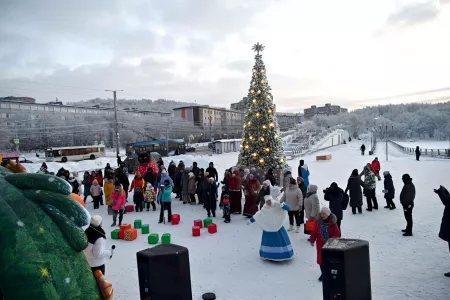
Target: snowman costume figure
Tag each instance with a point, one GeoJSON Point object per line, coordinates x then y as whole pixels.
{"type": "Point", "coordinates": [275, 243]}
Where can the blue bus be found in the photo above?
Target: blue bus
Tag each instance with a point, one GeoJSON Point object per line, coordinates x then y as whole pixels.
{"type": "Point", "coordinates": [176, 147]}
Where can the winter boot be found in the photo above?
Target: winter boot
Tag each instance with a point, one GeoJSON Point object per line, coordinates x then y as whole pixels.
{"type": "Point", "coordinates": [387, 206]}
{"type": "Point", "coordinates": [291, 227]}
{"type": "Point", "coordinates": [298, 229]}
{"type": "Point", "coordinates": [320, 278]}
{"type": "Point", "coordinates": [407, 234]}
{"type": "Point", "coordinates": [113, 224]}
{"type": "Point", "coordinates": [403, 230]}
{"type": "Point", "coordinates": [447, 274]}
{"type": "Point", "coordinates": [392, 207]}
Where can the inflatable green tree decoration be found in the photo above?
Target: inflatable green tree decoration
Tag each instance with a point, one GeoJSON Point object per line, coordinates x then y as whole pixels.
{"type": "Point", "coordinates": [41, 240]}
{"type": "Point", "coordinates": [261, 145]}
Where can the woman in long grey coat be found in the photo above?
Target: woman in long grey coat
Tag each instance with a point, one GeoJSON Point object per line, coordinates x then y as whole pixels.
{"type": "Point", "coordinates": [356, 196]}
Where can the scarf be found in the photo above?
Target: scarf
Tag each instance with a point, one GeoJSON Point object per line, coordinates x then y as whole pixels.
{"type": "Point", "coordinates": [324, 229]}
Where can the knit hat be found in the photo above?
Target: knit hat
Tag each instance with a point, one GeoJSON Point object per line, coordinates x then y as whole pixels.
{"type": "Point", "coordinates": [326, 211]}
{"type": "Point", "coordinates": [267, 197]}
{"type": "Point", "coordinates": [96, 220]}
{"type": "Point", "coordinates": [267, 182]}
{"type": "Point", "coordinates": [292, 181]}
{"type": "Point", "coordinates": [385, 173]}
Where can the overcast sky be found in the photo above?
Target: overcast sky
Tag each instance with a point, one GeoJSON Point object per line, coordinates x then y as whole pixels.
{"type": "Point", "coordinates": [348, 52]}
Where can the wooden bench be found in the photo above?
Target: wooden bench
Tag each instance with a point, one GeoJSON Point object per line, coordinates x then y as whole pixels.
{"type": "Point", "coordinates": [323, 157]}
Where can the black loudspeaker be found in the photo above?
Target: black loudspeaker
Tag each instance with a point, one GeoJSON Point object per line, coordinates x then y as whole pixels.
{"type": "Point", "coordinates": [164, 273]}
{"type": "Point", "coordinates": [346, 270]}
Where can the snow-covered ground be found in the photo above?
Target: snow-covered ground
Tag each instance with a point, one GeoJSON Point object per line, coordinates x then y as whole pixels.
{"type": "Point", "coordinates": [228, 262]}
{"type": "Point", "coordinates": [426, 144]}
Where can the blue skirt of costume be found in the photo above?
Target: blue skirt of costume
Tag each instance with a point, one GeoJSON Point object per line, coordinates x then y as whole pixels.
{"type": "Point", "coordinates": [276, 245]}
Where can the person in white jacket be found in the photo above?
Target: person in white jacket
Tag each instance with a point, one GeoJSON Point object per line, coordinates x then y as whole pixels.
{"type": "Point", "coordinates": [96, 252]}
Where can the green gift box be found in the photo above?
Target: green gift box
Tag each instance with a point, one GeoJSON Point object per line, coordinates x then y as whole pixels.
{"type": "Point", "coordinates": [115, 234]}
{"type": "Point", "coordinates": [206, 222]}
{"type": "Point", "coordinates": [145, 229]}
{"type": "Point", "coordinates": [137, 224]}
{"type": "Point", "coordinates": [153, 238]}
{"type": "Point", "coordinates": [165, 238]}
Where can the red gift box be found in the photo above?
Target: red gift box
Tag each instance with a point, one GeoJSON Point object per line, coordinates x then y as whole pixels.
{"type": "Point", "coordinates": [121, 234]}
{"type": "Point", "coordinates": [195, 231]}
{"type": "Point", "coordinates": [125, 226]}
{"type": "Point", "coordinates": [129, 208]}
{"type": "Point", "coordinates": [198, 223]}
{"type": "Point", "coordinates": [175, 219]}
{"type": "Point", "coordinates": [212, 228]}
{"type": "Point", "coordinates": [130, 234]}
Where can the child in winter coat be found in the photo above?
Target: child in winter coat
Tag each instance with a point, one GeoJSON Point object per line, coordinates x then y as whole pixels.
{"type": "Point", "coordinates": [138, 199]}
{"type": "Point", "coordinates": [137, 181]}
{"type": "Point", "coordinates": [96, 192]}
{"type": "Point", "coordinates": [389, 190]}
{"type": "Point", "coordinates": [165, 198]}
{"type": "Point", "coordinates": [225, 203]}
{"type": "Point", "coordinates": [149, 197]}
{"type": "Point", "coordinates": [326, 228]}
{"type": "Point", "coordinates": [119, 199]}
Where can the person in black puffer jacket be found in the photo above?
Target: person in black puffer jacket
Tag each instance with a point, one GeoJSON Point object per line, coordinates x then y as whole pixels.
{"type": "Point", "coordinates": [335, 195]}
{"type": "Point", "coordinates": [407, 200]}
{"type": "Point", "coordinates": [444, 232]}
{"type": "Point", "coordinates": [354, 185]}
{"type": "Point", "coordinates": [389, 190]}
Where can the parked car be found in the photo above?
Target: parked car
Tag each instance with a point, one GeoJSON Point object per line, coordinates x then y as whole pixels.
{"type": "Point", "coordinates": [210, 145]}
{"type": "Point", "coordinates": [190, 149]}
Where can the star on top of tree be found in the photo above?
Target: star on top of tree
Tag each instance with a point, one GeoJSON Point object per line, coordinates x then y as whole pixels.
{"type": "Point", "coordinates": [258, 48]}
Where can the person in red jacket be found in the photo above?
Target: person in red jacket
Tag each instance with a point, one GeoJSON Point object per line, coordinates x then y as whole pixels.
{"type": "Point", "coordinates": [138, 181]}
{"type": "Point", "coordinates": [376, 167]}
{"type": "Point", "coordinates": [235, 182]}
{"type": "Point", "coordinates": [326, 228]}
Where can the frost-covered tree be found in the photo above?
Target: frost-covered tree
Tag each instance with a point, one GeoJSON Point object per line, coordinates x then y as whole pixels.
{"type": "Point", "coordinates": [261, 145]}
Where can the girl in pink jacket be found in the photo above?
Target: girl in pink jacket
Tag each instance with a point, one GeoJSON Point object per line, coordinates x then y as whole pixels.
{"type": "Point", "coordinates": [119, 199]}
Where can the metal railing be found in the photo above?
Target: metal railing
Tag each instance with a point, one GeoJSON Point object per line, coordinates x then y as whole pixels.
{"type": "Point", "coordinates": [439, 153]}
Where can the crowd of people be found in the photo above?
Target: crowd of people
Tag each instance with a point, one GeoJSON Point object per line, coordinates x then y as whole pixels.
{"type": "Point", "coordinates": [258, 193]}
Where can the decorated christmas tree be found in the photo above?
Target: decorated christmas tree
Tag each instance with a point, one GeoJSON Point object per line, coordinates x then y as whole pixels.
{"type": "Point", "coordinates": [261, 145]}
